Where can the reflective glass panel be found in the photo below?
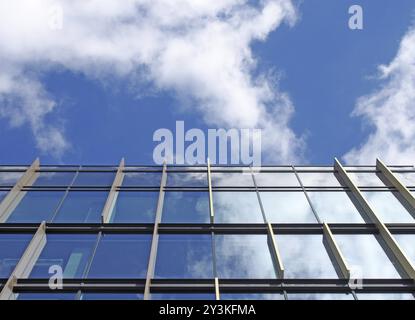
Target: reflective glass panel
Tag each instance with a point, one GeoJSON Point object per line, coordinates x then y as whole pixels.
{"type": "Point", "coordinates": [388, 208]}
{"type": "Point", "coordinates": [365, 256]}
{"type": "Point", "coordinates": [36, 206]}
{"type": "Point", "coordinates": [305, 256]}
{"type": "Point", "coordinates": [112, 296]}
{"type": "Point", "coordinates": [9, 178]}
{"type": "Point", "coordinates": [187, 179]}
{"type": "Point", "coordinates": [82, 206]}
{"type": "Point", "coordinates": [54, 179]}
{"type": "Point", "coordinates": [232, 179]}
{"type": "Point", "coordinates": [407, 178]}
{"type": "Point", "coordinates": [46, 296]}
{"type": "Point", "coordinates": [385, 296]}
{"type": "Point", "coordinates": [335, 206]}
{"type": "Point", "coordinates": [182, 296]}
{"type": "Point", "coordinates": [366, 179]}
{"type": "Point", "coordinates": [186, 207]}
{"type": "Point", "coordinates": [276, 179]}
{"type": "Point", "coordinates": [135, 207]}
{"type": "Point", "coordinates": [251, 296]}
{"type": "Point", "coordinates": [71, 252]}
{"type": "Point", "coordinates": [141, 179]}
{"type": "Point", "coordinates": [99, 179]}
{"type": "Point", "coordinates": [2, 195]}
{"type": "Point", "coordinates": [184, 256]}
{"type": "Point", "coordinates": [12, 246]}
{"type": "Point", "coordinates": [319, 179]}
{"type": "Point", "coordinates": [320, 296]}
{"type": "Point", "coordinates": [121, 256]}
{"type": "Point", "coordinates": [243, 256]}
{"type": "Point", "coordinates": [287, 207]}
{"type": "Point", "coordinates": [237, 207]}
{"type": "Point", "coordinates": [407, 243]}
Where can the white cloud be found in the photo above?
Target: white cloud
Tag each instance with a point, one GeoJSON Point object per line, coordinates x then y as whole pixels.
{"type": "Point", "coordinates": [199, 49]}
{"type": "Point", "coordinates": [390, 111]}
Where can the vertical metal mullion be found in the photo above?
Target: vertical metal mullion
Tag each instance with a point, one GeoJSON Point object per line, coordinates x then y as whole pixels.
{"type": "Point", "coordinates": [154, 242]}
{"type": "Point", "coordinates": [264, 216]}
{"type": "Point", "coordinates": [209, 176]}
{"type": "Point", "coordinates": [341, 262]}
{"type": "Point", "coordinates": [112, 195]}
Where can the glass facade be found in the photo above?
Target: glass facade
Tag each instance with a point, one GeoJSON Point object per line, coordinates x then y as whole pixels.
{"type": "Point", "coordinates": [201, 233]}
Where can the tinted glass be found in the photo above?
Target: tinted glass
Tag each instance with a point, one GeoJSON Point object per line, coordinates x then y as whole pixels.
{"type": "Point", "coordinates": [320, 296]}
{"type": "Point", "coordinates": [100, 179]}
{"type": "Point", "coordinates": [54, 179]}
{"type": "Point", "coordinates": [232, 179]}
{"type": "Point", "coordinates": [187, 179]}
{"type": "Point", "coordinates": [9, 178]}
{"type": "Point", "coordinates": [385, 296]}
{"type": "Point", "coordinates": [138, 207]}
{"type": "Point", "coordinates": [121, 256]}
{"type": "Point", "coordinates": [182, 296]}
{"type": "Point", "coordinates": [12, 247]}
{"type": "Point", "coordinates": [237, 207]}
{"type": "Point", "coordinates": [243, 256]}
{"type": "Point", "coordinates": [186, 207]}
{"type": "Point", "coordinates": [287, 207]}
{"type": "Point", "coordinates": [251, 296]}
{"type": "Point", "coordinates": [142, 179]}
{"type": "Point", "coordinates": [111, 296]}
{"type": "Point", "coordinates": [2, 195]}
{"type": "Point", "coordinates": [276, 179]}
{"type": "Point", "coordinates": [184, 256]}
{"type": "Point", "coordinates": [46, 296]}
{"type": "Point", "coordinates": [37, 206]}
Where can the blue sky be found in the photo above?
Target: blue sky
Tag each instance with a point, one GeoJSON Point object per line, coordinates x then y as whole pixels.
{"type": "Point", "coordinates": [324, 67]}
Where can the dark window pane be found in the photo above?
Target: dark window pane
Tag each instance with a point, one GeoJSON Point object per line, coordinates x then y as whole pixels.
{"type": "Point", "coordinates": [237, 207]}
{"type": "Point", "coordinates": [54, 179]}
{"type": "Point", "coordinates": [12, 247]}
{"type": "Point", "coordinates": [187, 179]}
{"type": "Point", "coordinates": [319, 179]}
{"type": "Point", "coordinates": [46, 296]}
{"type": "Point", "coordinates": [388, 208]}
{"type": "Point", "coordinates": [135, 207]}
{"type": "Point", "coordinates": [305, 256]}
{"type": "Point", "coordinates": [184, 256]}
{"type": "Point", "coordinates": [182, 296]}
{"type": "Point", "coordinates": [276, 179]}
{"type": "Point", "coordinates": [287, 207]}
{"type": "Point", "coordinates": [186, 207]}
{"type": "Point", "coordinates": [36, 206]}
{"type": "Point", "coordinates": [100, 179]}
{"type": "Point", "coordinates": [9, 178]}
{"type": "Point", "coordinates": [142, 179]}
{"type": "Point", "coordinates": [121, 256]}
{"type": "Point", "coordinates": [320, 296]}
{"type": "Point", "coordinates": [251, 296]}
{"type": "Point", "coordinates": [243, 256]}
{"type": "Point", "coordinates": [111, 296]}
{"type": "Point", "coordinates": [232, 179]}
{"type": "Point", "coordinates": [335, 207]}
{"type": "Point", "coordinates": [82, 206]}
{"type": "Point", "coordinates": [69, 251]}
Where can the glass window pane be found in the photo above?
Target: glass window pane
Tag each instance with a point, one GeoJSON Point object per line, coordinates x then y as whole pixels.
{"type": "Point", "coordinates": [112, 296]}
{"type": "Point", "coordinates": [385, 296]}
{"type": "Point", "coordinates": [276, 179]}
{"type": "Point", "coordinates": [121, 256]}
{"type": "Point", "coordinates": [365, 256]}
{"type": "Point", "coordinates": [237, 207]}
{"type": "Point", "coordinates": [407, 178]}
{"type": "Point", "coordinates": [243, 256]}
{"type": "Point", "coordinates": [142, 179]}
{"type": "Point", "coordinates": [2, 195]}
{"type": "Point", "coordinates": [320, 296]}
{"type": "Point", "coordinates": [366, 179]}
{"type": "Point", "coordinates": [46, 296]}
{"type": "Point", "coordinates": [12, 247]}
{"type": "Point", "coordinates": [187, 179]}
{"type": "Point", "coordinates": [305, 256]}
{"type": "Point", "coordinates": [36, 206]}
{"type": "Point", "coordinates": [184, 256]}
{"type": "Point", "coordinates": [407, 243]}
{"type": "Point", "coordinates": [182, 296]}
{"type": "Point", "coordinates": [251, 296]}
{"type": "Point", "coordinates": [335, 206]}
{"type": "Point", "coordinates": [287, 207]}
{"type": "Point", "coordinates": [232, 179]}
{"type": "Point", "coordinates": [186, 207]}
{"type": "Point", "coordinates": [54, 179]}
{"type": "Point", "coordinates": [82, 206]}
{"type": "Point", "coordinates": [100, 179]}
{"type": "Point", "coordinates": [9, 178]}
{"type": "Point", "coordinates": [319, 179]}
{"type": "Point", "coordinates": [135, 207]}
{"type": "Point", "coordinates": [388, 208]}
{"type": "Point", "coordinates": [69, 251]}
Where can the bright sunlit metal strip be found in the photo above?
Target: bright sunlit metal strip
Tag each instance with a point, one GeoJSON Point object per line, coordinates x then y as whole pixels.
{"type": "Point", "coordinates": [113, 194]}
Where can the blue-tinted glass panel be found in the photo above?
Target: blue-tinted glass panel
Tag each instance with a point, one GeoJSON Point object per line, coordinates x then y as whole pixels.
{"type": "Point", "coordinates": [365, 256]}
{"type": "Point", "coordinates": [121, 256]}
{"type": "Point", "coordinates": [232, 179]}
{"type": "Point", "coordinates": [135, 207]}
{"type": "Point", "coordinates": [251, 296]}
{"type": "Point", "coordinates": [305, 256]}
{"type": "Point", "coordinates": [82, 206]}
{"type": "Point", "coordinates": [187, 179]}
{"type": "Point", "coordinates": [12, 246]}
{"type": "Point", "coordinates": [100, 179]}
{"type": "Point", "coordinates": [36, 206]}
{"type": "Point", "coordinates": [142, 179]}
{"type": "Point", "coordinates": [320, 296]}
{"type": "Point", "coordinates": [287, 207]}
{"type": "Point", "coordinates": [388, 208]}
{"type": "Point", "coordinates": [2, 195]}
{"type": "Point", "coordinates": [186, 207]}
{"type": "Point", "coordinates": [184, 256]}
{"type": "Point", "coordinates": [318, 179]}
{"type": "Point", "coordinates": [54, 179]}
{"type": "Point", "coordinates": [46, 296]}
{"type": "Point", "coordinates": [9, 178]}
{"type": "Point", "coordinates": [111, 296]}
{"type": "Point", "coordinates": [69, 251]}
{"type": "Point", "coordinates": [276, 179]}
{"type": "Point", "coordinates": [243, 256]}
{"type": "Point", "coordinates": [385, 296]}
{"type": "Point", "coordinates": [182, 296]}
{"type": "Point", "coordinates": [237, 207]}
{"type": "Point", "coordinates": [335, 207]}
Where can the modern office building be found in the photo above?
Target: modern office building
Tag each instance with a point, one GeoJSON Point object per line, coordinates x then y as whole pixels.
{"type": "Point", "coordinates": [207, 232]}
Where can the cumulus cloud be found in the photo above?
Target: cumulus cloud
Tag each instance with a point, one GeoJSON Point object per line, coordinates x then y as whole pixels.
{"type": "Point", "coordinates": [390, 111]}
{"type": "Point", "coordinates": [199, 49]}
